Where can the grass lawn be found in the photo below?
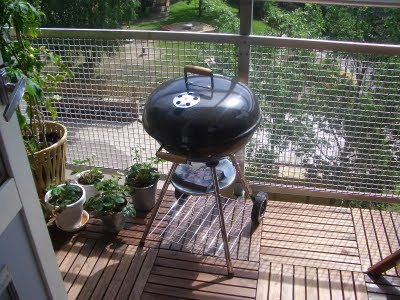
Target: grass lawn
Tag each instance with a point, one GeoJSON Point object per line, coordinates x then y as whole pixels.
{"type": "Point", "coordinates": [184, 12]}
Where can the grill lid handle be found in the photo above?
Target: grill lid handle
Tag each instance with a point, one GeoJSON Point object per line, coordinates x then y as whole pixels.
{"type": "Point", "coordinates": [199, 71]}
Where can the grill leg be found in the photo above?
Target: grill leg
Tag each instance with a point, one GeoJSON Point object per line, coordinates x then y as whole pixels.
{"type": "Point", "coordinates": [241, 175]}
{"type": "Point", "coordinates": [158, 203]}
{"type": "Point", "coordinates": [222, 222]}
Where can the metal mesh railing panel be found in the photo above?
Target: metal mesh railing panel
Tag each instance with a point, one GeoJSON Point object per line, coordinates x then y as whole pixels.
{"type": "Point", "coordinates": [102, 105]}
{"type": "Point", "coordinates": [330, 120]}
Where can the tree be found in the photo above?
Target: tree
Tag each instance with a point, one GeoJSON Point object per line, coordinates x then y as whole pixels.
{"type": "Point", "coordinates": [90, 14]}
{"type": "Point", "coordinates": [335, 114]}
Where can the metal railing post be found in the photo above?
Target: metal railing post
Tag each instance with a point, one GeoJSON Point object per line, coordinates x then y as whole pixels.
{"type": "Point", "coordinates": [246, 18]}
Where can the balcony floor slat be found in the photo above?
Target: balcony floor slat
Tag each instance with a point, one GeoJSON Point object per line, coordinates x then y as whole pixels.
{"type": "Point", "coordinates": [301, 251]}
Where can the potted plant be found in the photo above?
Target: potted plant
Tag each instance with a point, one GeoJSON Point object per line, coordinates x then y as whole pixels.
{"type": "Point", "coordinates": [111, 204]}
{"type": "Point", "coordinates": [142, 178]}
{"type": "Point", "coordinates": [88, 178]}
{"type": "Point", "coordinates": [66, 201]}
{"type": "Point", "coordinates": [45, 141]}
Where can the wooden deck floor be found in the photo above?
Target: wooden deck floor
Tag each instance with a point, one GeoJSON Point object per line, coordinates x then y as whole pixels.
{"type": "Point", "coordinates": [301, 251]}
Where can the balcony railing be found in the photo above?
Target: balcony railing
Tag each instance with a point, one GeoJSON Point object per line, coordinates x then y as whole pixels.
{"type": "Point", "coordinates": [330, 109]}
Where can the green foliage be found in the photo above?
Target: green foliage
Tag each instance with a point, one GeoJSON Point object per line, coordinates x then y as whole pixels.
{"type": "Point", "coordinates": [24, 60]}
{"type": "Point", "coordinates": [227, 20]}
{"type": "Point", "coordinates": [92, 176]}
{"type": "Point", "coordinates": [363, 24]}
{"type": "Point", "coordinates": [340, 122]}
{"type": "Point", "coordinates": [306, 22]}
{"type": "Point", "coordinates": [111, 200]}
{"type": "Point", "coordinates": [63, 195]}
{"type": "Point", "coordinates": [89, 13]}
{"type": "Point", "coordinates": [142, 174]}
{"type": "Point", "coordinates": [214, 12]}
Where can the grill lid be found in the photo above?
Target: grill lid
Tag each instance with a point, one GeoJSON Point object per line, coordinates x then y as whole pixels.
{"type": "Point", "coordinates": [201, 116]}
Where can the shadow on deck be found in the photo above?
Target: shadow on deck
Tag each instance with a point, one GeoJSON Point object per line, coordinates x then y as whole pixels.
{"type": "Point", "coordinates": [301, 251]}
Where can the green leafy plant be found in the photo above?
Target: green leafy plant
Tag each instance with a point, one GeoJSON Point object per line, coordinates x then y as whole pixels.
{"type": "Point", "coordinates": [24, 60]}
{"type": "Point", "coordinates": [92, 176]}
{"type": "Point", "coordinates": [111, 200]}
{"type": "Point", "coordinates": [63, 195]}
{"type": "Point", "coordinates": [142, 174]}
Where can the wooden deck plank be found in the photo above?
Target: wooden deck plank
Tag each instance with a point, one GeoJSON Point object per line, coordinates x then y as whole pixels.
{"type": "Point", "coordinates": [255, 239]}
{"type": "Point", "coordinates": [201, 267]}
{"type": "Point", "coordinates": [205, 277]}
{"type": "Point", "coordinates": [310, 219]}
{"type": "Point", "coordinates": [301, 251]}
{"type": "Point", "coordinates": [244, 244]}
{"type": "Point", "coordinates": [316, 256]}
{"type": "Point", "coordinates": [86, 270]}
{"type": "Point", "coordinates": [132, 274]}
{"type": "Point", "coordinates": [207, 259]}
{"type": "Point", "coordinates": [396, 222]}
{"type": "Point", "coordinates": [323, 241]}
{"type": "Point", "coordinates": [120, 273]}
{"type": "Point", "coordinates": [108, 273]}
{"type": "Point", "coordinates": [304, 206]}
{"type": "Point", "coordinates": [151, 296]}
{"type": "Point", "coordinates": [235, 222]}
{"type": "Point", "coordinates": [382, 238]}
{"type": "Point", "coordinates": [308, 225]}
{"type": "Point", "coordinates": [348, 286]}
{"type": "Point", "coordinates": [287, 282]}
{"type": "Point", "coordinates": [359, 285]}
{"type": "Point", "coordinates": [324, 290]}
{"type": "Point", "coordinates": [311, 262]}
{"type": "Point", "coordinates": [301, 211]}
{"type": "Point", "coordinates": [363, 249]}
{"type": "Point", "coordinates": [373, 246]}
{"type": "Point", "coordinates": [78, 264]}
{"type": "Point", "coordinates": [202, 286]}
{"type": "Point", "coordinates": [391, 234]}
{"type": "Point", "coordinates": [299, 283]}
{"type": "Point", "coordinates": [305, 245]}
{"type": "Point", "coordinates": [180, 293]}
{"type": "Point", "coordinates": [263, 280]}
{"type": "Point", "coordinates": [96, 273]}
{"type": "Point", "coordinates": [63, 251]}
{"type": "Point", "coordinates": [195, 240]}
{"type": "Point", "coordinates": [275, 281]}
{"type": "Point", "coordinates": [335, 284]}
{"type": "Point", "coordinates": [311, 283]}
{"type": "Point", "coordinates": [144, 275]}
{"type": "Point", "coordinates": [71, 256]}
{"type": "Point", "coordinates": [307, 233]}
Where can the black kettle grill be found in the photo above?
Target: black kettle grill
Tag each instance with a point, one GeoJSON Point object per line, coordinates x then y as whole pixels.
{"type": "Point", "coordinates": [203, 118]}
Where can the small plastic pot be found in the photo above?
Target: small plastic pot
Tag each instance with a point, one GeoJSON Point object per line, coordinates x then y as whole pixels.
{"type": "Point", "coordinates": [89, 188]}
{"type": "Point", "coordinates": [71, 216]}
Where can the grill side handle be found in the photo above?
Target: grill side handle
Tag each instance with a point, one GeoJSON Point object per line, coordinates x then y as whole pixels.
{"type": "Point", "coordinates": [171, 157]}
{"type": "Point", "coordinates": [199, 71]}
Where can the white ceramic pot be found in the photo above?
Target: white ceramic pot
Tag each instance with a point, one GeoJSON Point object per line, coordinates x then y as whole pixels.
{"type": "Point", "coordinates": [89, 188]}
{"type": "Point", "coordinates": [71, 216]}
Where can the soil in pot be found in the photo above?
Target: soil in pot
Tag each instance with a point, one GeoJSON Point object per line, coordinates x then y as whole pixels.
{"type": "Point", "coordinates": [51, 139]}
